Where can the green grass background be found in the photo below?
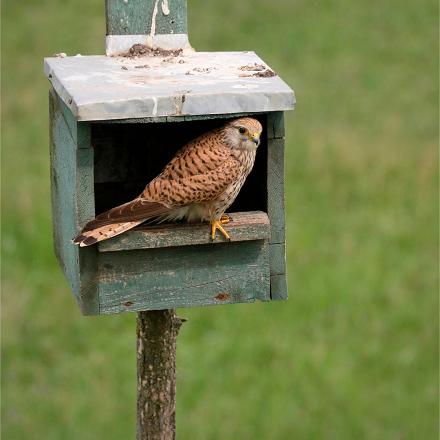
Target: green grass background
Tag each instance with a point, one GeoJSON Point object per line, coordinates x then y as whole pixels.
{"type": "Point", "coordinates": [353, 353]}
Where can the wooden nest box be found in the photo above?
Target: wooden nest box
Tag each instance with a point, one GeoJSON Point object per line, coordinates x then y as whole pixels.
{"type": "Point", "coordinates": [115, 122]}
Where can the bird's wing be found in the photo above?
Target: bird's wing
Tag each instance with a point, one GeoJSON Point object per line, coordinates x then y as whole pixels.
{"type": "Point", "coordinates": [163, 195]}
{"type": "Point", "coordinates": [196, 188]}
{"type": "Point", "coordinates": [200, 156]}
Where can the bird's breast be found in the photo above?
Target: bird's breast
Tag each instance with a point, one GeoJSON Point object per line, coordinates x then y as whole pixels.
{"type": "Point", "coordinates": [246, 159]}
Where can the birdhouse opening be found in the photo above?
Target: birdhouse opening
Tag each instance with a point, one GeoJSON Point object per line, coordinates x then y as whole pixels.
{"type": "Point", "coordinates": [129, 155]}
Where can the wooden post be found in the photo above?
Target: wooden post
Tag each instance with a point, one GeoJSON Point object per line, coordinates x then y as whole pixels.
{"type": "Point", "coordinates": [135, 17]}
{"type": "Point", "coordinates": [157, 24]}
{"type": "Point", "coordinates": [156, 374]}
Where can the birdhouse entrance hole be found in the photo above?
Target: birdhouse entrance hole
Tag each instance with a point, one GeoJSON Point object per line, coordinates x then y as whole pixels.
{"type": "Point", "coordinates": [129, 155]}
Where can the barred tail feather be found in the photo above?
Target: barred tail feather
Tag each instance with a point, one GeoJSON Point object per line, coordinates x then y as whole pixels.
{"type": "Point", "coordinates": [118, 220]}
{"type": "Point", "coordinates": [100, 233]}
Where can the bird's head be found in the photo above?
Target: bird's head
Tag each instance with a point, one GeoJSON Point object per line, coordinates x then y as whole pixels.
{"type": "Point", "coordinates": [243, 133]}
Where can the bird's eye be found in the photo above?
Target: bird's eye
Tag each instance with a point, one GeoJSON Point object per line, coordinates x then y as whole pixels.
{"type": "Point", "coordinates": [242, 130]}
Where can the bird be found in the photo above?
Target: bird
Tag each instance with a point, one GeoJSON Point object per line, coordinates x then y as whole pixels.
{"type": "Point", "coordinates": [198, 185]}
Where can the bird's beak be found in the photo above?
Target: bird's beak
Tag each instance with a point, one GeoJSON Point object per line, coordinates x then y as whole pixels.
{"type": "Point", "coordinates": [256, 138]}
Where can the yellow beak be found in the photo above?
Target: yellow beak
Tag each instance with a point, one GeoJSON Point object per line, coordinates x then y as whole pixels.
{"type": "Point", "coordinates": [256, 138]}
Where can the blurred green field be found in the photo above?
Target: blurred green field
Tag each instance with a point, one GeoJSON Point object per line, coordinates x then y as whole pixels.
{"type": "Point", "coordinates": [353, 354]}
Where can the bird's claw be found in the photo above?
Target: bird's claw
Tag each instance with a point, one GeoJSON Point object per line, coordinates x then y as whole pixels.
{"type": "Point", "coordinates": [217, 224]}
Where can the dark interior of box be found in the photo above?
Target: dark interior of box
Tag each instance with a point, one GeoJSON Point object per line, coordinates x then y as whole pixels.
{"type": "Point", "coordinates": [129, 155]}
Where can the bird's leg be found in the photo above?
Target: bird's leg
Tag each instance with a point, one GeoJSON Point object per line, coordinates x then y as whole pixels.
{"type": "Point", "coordinates": [225, 219]}
{"type": "Point", "coordinates": [217, 224]}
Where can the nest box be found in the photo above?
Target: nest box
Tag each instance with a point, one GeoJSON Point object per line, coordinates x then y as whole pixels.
{"type": "Point", "coordinates": [115, 122]}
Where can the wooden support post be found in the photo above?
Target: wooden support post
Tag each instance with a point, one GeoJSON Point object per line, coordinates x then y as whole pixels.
{"type": "Point", "coordinates": [156, 374]}
{"type": "Point", "coordinates": [150, 22]}
{"type": "Point", "coordinates": [135, 17]}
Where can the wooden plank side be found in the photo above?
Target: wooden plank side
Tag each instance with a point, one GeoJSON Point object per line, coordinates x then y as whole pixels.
{"type": "Point", "coordinates": [275, 189]}
{"type": "Point", "coordinates": [62, 158]}
{"type": "Point", "coordinates": [278, 287]}
{"type": "Point", "coordinates": [183, 118]}
{"type": "Point", "coordinates": [79, 131]}
{"type": "Point", "coordinates": [278, 284]}
{"type": "Point", "coordinates": [277, 253]}
{"type": "Point", "coordinates": [183, 277]}
{"type": "Point", "coordinates": [275, 185]}
{"type": "Point", "coordinates": [85, 211]}
{"type": "Point", "coordinates": [135, 17]}
{"type": "Point", "coordinates": [85, 203]}
{"type": "Point", "coordinates": [70, 177]}
{"type": "Point", "coordinates": [275, 125]}
{"type": "Point", "coordinates": [244, 226]}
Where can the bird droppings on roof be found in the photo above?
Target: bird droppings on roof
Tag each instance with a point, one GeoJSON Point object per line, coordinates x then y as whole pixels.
{"type": "Point", "coordinates": [141, 50]}
{"type": "Point", "coordinates": [203, 69]}
{"type": "Point", "coordinates": [259, 71]}
{"type": "Point", "coordinates": [145, 83]}
{"type": "Point", "coordinates": [265, 74]}
{"type": "Point", "coordinates": [252, 67]}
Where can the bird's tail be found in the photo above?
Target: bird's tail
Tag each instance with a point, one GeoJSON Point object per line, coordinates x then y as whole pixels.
{"type": "Point", "coordinates": [99, 233]}
{"type": "Point", "coordinates": [120, 219]}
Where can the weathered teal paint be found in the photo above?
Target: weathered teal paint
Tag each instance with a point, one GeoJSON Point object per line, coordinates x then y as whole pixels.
{"type": "Point", "coordinates": [178, 266]}
{"type": "Point", "coordinates": [185, 276]}
{"type": "Point", "coordinates": [278, 287]}
{"type": "Point", "coordinates": [277, 258]}
{"type": "Point", "coordinates": [135, 17]}
{"type": "Point", "coordinates": [275, 204]}
{"type": "Point", "coordinates": [72, 200]}
{"type": "Point", "coordinates": [275, 125]}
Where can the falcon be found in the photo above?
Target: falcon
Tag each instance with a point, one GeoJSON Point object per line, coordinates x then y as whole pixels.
{"type": "Point", "coordinates": [197, 185]}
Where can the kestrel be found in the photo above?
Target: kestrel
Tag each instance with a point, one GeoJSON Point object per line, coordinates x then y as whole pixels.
{"type": "Point", "coordinates": [197, 185]}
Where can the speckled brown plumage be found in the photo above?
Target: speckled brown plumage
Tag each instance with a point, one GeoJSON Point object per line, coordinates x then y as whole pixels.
{"type": "Point", "coordinates": [198, 184]}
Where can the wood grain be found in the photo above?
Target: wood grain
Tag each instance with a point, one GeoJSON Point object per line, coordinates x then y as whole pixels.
{"type": "Point", "coordinates": [275, 204]}
{"type": "Point", "coordinates": [183, 118]}
{"type": "Point", "coordinates": [184, 276]}
{"type": "Point", "coordinates": [277, 258]}
{"type": "Point", "coordinates": [244, 226]}
{"type": "Point", "coordinates": [72, 200]}
{"type": "Point", "coordinates": [275, 189]}
{"type": "Point", "coordinates": [278, 287]}
{"type": "Point", "coordinates": [156, 374]}
{"type": "Point", "coordinates": [134, 17]}
{"type": "Point", "coordinates": [275, 125]}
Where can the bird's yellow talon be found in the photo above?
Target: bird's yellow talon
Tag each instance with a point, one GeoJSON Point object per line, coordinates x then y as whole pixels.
{"type": "Point", "coordinates": [217, 224]}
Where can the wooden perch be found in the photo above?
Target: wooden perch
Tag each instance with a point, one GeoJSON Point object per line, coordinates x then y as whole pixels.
{"type": "Point", "coordinates": [244, 226]}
